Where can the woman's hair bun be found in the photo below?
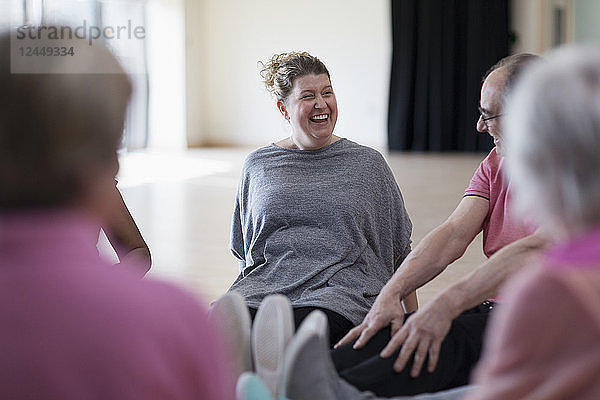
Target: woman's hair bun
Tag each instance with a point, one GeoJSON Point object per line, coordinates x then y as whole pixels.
{"type": "Point", "coordinates": [279, 72]}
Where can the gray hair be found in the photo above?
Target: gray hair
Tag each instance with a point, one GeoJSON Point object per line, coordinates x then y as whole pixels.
{"type": "Point", "coordinates": [58, 128]}
{"type": "Point", "coordinates": [553, 140]}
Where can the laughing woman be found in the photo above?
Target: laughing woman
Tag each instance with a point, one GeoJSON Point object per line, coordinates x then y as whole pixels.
{"type": "Point", "coordinates": [318, 218]}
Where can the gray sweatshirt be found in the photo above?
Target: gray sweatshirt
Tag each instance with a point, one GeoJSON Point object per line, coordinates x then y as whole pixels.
{"type": "Point", "coordinates": [327, 228]}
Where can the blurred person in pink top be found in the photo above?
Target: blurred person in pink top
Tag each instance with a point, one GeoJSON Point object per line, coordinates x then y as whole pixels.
{"type": "Point", "coordinates": [72, 327]}
{"type": "Point", "coordinates": [543, 343]}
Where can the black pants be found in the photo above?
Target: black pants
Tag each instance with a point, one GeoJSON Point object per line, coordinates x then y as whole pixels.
{"type": "Point", "coordinates": [338, 325]}
{"type": "Point", "coordinates": [459, 353]}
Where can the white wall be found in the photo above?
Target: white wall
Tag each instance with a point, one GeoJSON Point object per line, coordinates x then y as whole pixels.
{"type": "Point", "coordinates": [532, 21]}
{"type": "Point", "coordinates": [352, 37]}
{"type": "Point", "coordinates": [196, 37]}
{"type": "Point", "coordinates": [167, 79]}
{"type": "Point", "coordinates": [587, 26]}
{"type": "Point", "coordinates": [526, 21]}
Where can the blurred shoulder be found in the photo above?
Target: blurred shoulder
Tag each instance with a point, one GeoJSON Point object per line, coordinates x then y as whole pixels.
{"type": "Point", "coordinates": [544, 284]}
{"type": "Point", "coordinates": [144, 298]}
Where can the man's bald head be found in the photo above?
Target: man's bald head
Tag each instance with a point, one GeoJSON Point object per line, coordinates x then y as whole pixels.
{"type": "Point", "coordinates": [512, 67]}
{"type": "Point", "coordinates": [496, 85]}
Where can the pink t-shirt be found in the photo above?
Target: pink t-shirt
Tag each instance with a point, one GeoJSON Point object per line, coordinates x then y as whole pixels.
{"type": "Point", "coordinates": [582, 252]}
{"type": "Point", "coordinates": [543, 341]}
{"type": "Point", "coordinates": [499, 228]}
{"type": "Point", "coordinates": [74, 327]}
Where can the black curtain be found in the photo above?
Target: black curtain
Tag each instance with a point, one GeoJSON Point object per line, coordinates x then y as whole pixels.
{"type": "Point", "coordinates": [441, 49]}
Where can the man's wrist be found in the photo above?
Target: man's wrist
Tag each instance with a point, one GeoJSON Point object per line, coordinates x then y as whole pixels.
{"type": "Point", "coordinates": [452, 302]}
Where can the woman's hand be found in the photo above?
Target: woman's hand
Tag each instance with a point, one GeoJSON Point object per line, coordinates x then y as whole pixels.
{"type": "Point", "coordinates": [387, 310]}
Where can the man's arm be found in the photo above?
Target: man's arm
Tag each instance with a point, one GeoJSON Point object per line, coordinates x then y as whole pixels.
{"type": "Point", "coordinates": [424, 332]}
{"type": "Point", "coordinates": [431, 256]}
{"type": "Point", "coordinates": [484, 282]}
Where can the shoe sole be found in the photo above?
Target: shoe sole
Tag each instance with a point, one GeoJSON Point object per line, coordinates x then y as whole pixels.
{"type": "Point", "coordinates": [230, 314]}
{"type": "Point", "coordinates": [312, 335]}
{"type": "Point", "coordinates": [272, 331]}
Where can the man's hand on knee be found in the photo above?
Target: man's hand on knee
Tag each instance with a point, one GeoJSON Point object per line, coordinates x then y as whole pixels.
{"type": "Point", "coordinates": [421, 335]}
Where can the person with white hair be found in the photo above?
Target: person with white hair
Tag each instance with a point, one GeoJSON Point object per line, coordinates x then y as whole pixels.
{"type": "Point", "coordinates": [543, 343]}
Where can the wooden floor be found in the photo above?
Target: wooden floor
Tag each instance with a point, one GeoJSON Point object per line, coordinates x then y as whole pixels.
{"type": "Point", "coordinates": [183, 202]}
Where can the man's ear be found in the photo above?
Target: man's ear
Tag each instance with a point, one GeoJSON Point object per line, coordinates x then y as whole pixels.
{"type": "Point", "coordinates": [281, 108]}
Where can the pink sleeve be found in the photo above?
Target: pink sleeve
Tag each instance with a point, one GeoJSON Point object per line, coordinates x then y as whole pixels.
{"type": "Point", "coordinates": [540, 344]}
{"type": "Point", "coordinates": [480, 182]}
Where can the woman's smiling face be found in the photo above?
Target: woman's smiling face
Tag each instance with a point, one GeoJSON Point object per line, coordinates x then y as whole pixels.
{"type": "Point", "coordinates": [311, 109]}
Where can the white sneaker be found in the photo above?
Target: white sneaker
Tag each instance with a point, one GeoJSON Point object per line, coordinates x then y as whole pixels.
{"type": "Point", "coordinates": [231, 316]}
{"type": "Point", "coordinates": [272, 331]}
